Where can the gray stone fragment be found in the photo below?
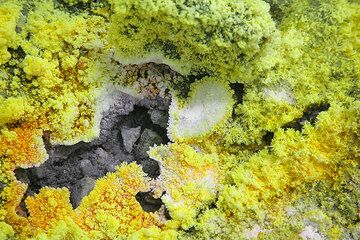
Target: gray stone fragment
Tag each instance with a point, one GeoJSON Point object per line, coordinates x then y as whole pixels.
{"type": "Point", "coordinates": [40, 172]}
{"type": "Point", "coordinates": [112, 144]}
{"type": "Point", "coordinates": [130, 136]}
{"type": "Point", "coordinates": [159, 117]}
{"type": "Point", "coordinates": [123, 157]}
{"type": "Point", "coordinates": [150, 167]}
{"type": "Point", "coordinates": [148, 139]}
{"type": "Point", "coordinates": [110, 167]}
{"type": "Point", "coordinates": [101, 155]}
{"type": "Point", "coordinates": [23, 175]}
{"type": "Point", "coordinates": [81, 189]}
{"type": "Point", "coordinates": [121, 104]}
{"type": "Point", "coordinates": [86, 167]}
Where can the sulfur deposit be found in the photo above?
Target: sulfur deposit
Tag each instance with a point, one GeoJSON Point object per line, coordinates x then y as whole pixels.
{"type": "Point", "coordinates": [179, 119]}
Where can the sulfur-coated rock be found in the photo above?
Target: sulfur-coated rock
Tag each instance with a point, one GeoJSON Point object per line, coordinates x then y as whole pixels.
{"type": "Point", "coordinates": [121, 140]}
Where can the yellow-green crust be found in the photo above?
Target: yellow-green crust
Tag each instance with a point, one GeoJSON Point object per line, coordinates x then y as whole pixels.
{"type": "Point", "coordinates": [248, 174]}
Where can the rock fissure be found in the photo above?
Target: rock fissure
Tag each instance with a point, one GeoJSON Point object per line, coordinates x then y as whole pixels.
{"type": "Point", "coordinates": [125, 136]}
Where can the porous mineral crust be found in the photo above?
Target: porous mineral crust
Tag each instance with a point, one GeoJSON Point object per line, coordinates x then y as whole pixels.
{"type": "Point", "coordinates": [179, 119]}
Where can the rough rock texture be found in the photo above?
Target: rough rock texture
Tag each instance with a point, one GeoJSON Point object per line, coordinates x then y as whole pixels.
{"type": "Point", "coordinates": [130, 136]}
{"type": "Point", "coordinates": [82, 188]}
{"type": "Point", "coordinates": [148, 138]}
{"type": "Point", "coordinates": [148, 202]}
{"type": "Point", "coordinates": [159, 117]}
{"type": "Point", "coordinates": [126, 134]}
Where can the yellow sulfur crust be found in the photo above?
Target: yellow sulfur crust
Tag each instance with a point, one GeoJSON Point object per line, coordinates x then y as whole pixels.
{"type": "Point", "coordinates": [264, 120]}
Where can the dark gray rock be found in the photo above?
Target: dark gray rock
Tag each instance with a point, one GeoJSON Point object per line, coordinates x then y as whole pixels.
{"type": "Point", "coordinates": [148, 202]}
{"type": "Point", "coordinates": [124, 157]}
{"type": "Point", "coordinates": [112, 145]}
{"type": "Point", "coordinates": [87, 168]}
{"type": "Point", "coordinates": [150, 167]}
{"type": "Point", "coordinates": [159, 117]}
{"type": "Point", "coordinates": [101, 156]}
{"type": "Point", "coordinates": [23, 174]}
{"type": "Point", "coordinates": [81, 189]}
{"type": "Point", "coordinates": [61, 152]}
{"type": "Point", "coordinates": [129, 137]}
{"type": "Point", "coordinates": [40, 172]}
{"type": "Point", "coordinates": [148, 139]}
{"type": "Point", "coordinates": [110, 167]}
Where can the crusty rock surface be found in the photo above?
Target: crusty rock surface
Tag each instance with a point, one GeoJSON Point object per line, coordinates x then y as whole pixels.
{"type": "Point", "coordinates": [126, 133]}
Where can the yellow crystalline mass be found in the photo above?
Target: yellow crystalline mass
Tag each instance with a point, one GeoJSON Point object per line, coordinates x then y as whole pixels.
{"type": "Point", "coordinates": [64, 229]}
{"type": "Point", "coordinates": [270, 177]}
{"type": "Point", "coordinates": [264, 118]}
{"type": "Point", "coordinates": [316, 67]}
{"type": "Point", "coordinates": [6, 231]}
{"type": "Point", "coordinates": [154, 233]}
{"type": "Point", "coordinates": [57, 69]}
{"type": "Point", "coordinates": [48, 207]}
{"type": "Point", "coordinates": [109, 212]}
{"type": "Point", "coordinates": [111, 209]}
{"type": "Point", "coordinates": [9, 14]}
{"type": "Point", "coordinates": [11, 109]}
{"type": "Point", "coordinates": [223, 37]}
{"type": "Point", "coordinates": [74, 2]}
{"type": "Point", "coordinates": [190, 179]}
{"type": "Point", "coordinates": [269, 174]}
